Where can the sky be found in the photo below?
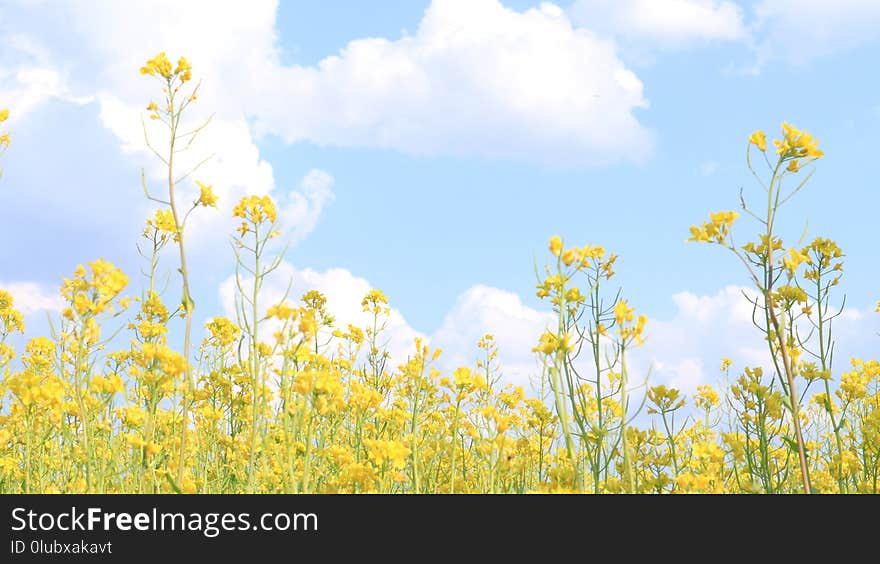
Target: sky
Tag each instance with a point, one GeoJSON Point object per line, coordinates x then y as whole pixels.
{"type": "Point", "coordinates": [431, 148]}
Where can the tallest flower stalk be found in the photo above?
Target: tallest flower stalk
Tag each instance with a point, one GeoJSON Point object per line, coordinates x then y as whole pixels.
{"type": "Point", "coordinates": [176, 99]}
{"type": "Point", "coordinates": [766, 261]}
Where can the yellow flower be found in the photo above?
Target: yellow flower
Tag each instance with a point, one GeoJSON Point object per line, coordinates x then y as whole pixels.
{"type": "Point", "coordinates": [463, 377]}
{"type": "Point", "coordinates": [184, 70]}
{"type": "Point", "coordinates": [158, 65]}
{"type": "Point", "coordinates": [622, 312]}
{"type": "Point", "coordinates": [797, 143]}
{"type": "Point", "coordinates": [223, 331]}
{"type": "Point", "coordinates": [556, 245]}
{"type": "Point", "coordinates": [206, 196]}
{"type": "Point", "coordinates": [281, 311]}
{"type": "Point", "coordinates": [706, 398]}
{"type": "Point", "coordinates": [794, 259]}
{"type": "Point", "coordinates": [308, 325]}
{"type": "Point", "coordinates": [665, 399]}
{"type": "Point", "coordinates": [724, 218]}
{"type": "Point", "coordinates": [4, 137]}
{"type": "Point", "coordinates": [716, 230]}
{"type": "Point", "coordinates": [163, 222]}
{"type": "Point", "coordinates": [549, 343]}
{"type": "Point", "coordinates": [375, 301]}
{"type": "Point", "coordinates": [759, 140]}
{"type": "Point", "coordinates": [256, 210]}
{"type": "Point", "coordinates": [699, 234]}
{"type": "Point", "coordinates": [91, 295]}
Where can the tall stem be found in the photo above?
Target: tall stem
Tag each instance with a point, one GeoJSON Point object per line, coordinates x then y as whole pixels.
{"type": "Point", "coordinates": [256, 405]}
{"type": "Point", "coordinates": [778, 328]}
{"type": "Point", "coordinates": [186, 301]}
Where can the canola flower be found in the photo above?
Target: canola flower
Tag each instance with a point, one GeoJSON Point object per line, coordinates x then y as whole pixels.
{"type": "Point", "coordinates": [4, 136]}
{"type": "Point", "coordinates": [281, 398]}
{"type": "Point", "coordinates": [5, 139]}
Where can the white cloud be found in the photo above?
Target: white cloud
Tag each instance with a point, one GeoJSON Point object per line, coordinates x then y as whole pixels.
{"type": "Point", "coordinates": [30, 297]}
{"type": "Point", "coordinates": [686, 350]}
{"type": "Point", "coordinates": [685, 374]}
{"type": "Point", "coordinates": [475, 79]}
{"type": "Point", "coordinates": [799, 30]}
{"type": "Point", "coordinates": [300, 210]}
{"type": "Point", "coordinates": [27, 78]}
{"type": "Point", "coordinates": [663, 23]}
{"type": "Point", "coordinates": [515, 326]}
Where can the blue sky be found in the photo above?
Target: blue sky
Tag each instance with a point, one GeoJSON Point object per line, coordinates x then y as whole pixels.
{"type": "Point", "coordinates": [443, 143]}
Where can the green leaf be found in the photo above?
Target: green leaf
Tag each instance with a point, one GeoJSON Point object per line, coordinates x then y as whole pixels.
{"type": "Point", "coordinates": [172, 482]}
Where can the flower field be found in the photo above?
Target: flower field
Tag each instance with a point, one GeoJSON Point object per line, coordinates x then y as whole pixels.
{"type": "Point", "coordinates": [121, 397]}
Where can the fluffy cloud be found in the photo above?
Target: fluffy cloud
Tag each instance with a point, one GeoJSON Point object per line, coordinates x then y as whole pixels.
{"type": "Point", "coordinates": [515, 326]}
{"type": "Point", "coordinates": [475, 78]}
{"type": "Point", "coordinates": [300, 210]}
{"type": "Point", "coordinates": [663, 23]}
{"type": "Point", "coordinates": [30, 297]}
{"type": "Point", "coordinates": [686, 350]}
{"type": "Point", "coordinates": [28, 79]}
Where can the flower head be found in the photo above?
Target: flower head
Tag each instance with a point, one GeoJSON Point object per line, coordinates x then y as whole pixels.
{"type": "Point", "coordinates": [759, 140]}
{"type": "Point", "coordinates": [158, 65]}
{"type": "Point", "coordinates": [716, 230]}
{"type": "Point", "coordinates": [184, 69]}
{"type": "Point", "coordinates": [206, 196]}
{"type": "Point", "coordinates": [796, 143]}
{"type": "Point", "coordinates": [253, 211]}
{"type": "Point", "coordinates": [4, 137]}
{"type": "Point", "coordinates": [556, 245]}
